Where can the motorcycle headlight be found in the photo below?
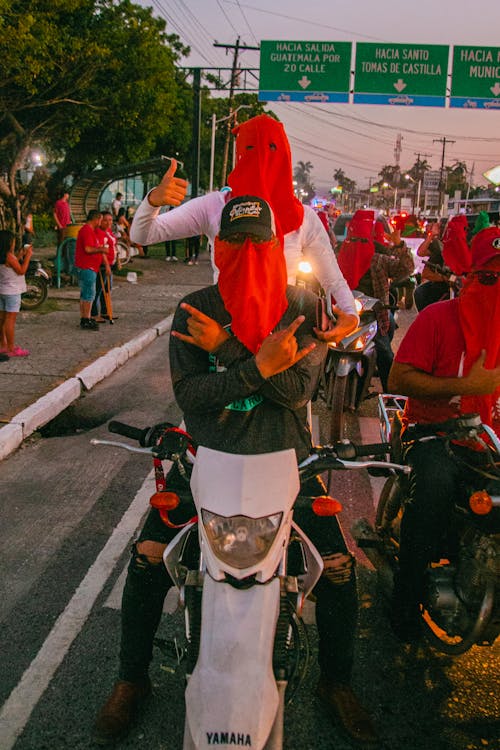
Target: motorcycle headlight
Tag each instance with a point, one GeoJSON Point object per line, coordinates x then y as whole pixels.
{"type": "Point", "coordinates": [356, 343]}
{"type": "Point", "coordinates": [305, 266]}
{"type": "Point", "coordinates": [359, 306]}
{"type": "Point", "coordinates": [240, 541]}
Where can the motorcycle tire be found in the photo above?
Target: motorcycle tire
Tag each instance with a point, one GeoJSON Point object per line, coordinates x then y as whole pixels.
{"type": "Point", "coordinates": [388, 519]}
{"type": "Point", "coordinates": [338, 394]}
{"type": "Point", "coordinates": [388, 516]}
{"type": "Point", "coordinates": [122, 252]}
{"type": "Point", "coordinates": [35, 294]}
{"type": "Point", "coordinates": [460, 644]}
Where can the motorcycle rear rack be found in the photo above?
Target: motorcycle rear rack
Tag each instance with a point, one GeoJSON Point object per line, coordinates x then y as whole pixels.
{"type": "Point", "coordinates": [389, 404]}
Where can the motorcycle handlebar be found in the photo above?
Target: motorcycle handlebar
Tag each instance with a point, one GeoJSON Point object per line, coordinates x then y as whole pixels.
{"type": "Point", "coordinates": [350, 450]}
{"type": "Point", "coordinates": [127, 430]}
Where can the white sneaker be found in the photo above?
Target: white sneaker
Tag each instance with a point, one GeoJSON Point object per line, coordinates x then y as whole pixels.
{"type": "Point", "coordinates": [175, 258]}
{"type": "Point", "coordinates": [168, 258]}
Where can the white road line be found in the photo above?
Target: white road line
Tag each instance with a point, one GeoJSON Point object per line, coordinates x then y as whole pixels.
{"type": "Point", "coordinates": [17, 709]}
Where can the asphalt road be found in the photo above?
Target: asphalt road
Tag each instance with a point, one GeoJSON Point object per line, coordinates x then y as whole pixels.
{"type": "Point", "coordinates": [68, 514]}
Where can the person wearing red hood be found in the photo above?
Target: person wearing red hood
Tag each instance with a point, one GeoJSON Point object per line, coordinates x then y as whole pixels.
{"type": "Point", "coordinates": [264, 168]}
{"type": "Point", "coordinates": [244, 362]}
{"type": "Point", "coordinates": [369, 267]}
{"type": "Point", "coordinates": [447, 364]}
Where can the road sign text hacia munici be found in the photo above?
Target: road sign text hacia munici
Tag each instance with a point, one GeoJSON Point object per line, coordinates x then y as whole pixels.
{"type": "Point", "coordinates": [372, 73]}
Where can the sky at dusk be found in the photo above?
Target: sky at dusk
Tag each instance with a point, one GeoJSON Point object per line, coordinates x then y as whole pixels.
{"type": "Point", "coordinates": [357, 138]}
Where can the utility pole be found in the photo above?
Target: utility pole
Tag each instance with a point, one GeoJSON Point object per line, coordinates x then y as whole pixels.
{"type": "Point", "coordinates": [444, 141]}
{"type": "Point", "coordinates": [236, 47]}
{"type": "Point", "coordinates": [418, 183]}
{"type": "Point", "coordinates": [195, 178]}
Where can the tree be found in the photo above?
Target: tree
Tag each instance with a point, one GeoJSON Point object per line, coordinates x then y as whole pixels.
{"type": "Point", "coordinates": [456, 177]}
{"type": "Point", "coordinates": [90, 82]}
{"type": "Point", "coordinates": [302, 176]}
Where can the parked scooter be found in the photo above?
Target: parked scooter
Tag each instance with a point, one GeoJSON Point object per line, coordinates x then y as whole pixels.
{"type": "Point", "coordinates": [37, 286]}
{"type": "Point", "coordinates": [460, 606]}
{"type": "Point", "coordinates": [243, 569]}
{"type": "Point", "coordinates": [350, 363]}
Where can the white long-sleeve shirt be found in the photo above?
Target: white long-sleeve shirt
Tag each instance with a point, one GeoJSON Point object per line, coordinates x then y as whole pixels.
{"type": "Point", "coordinates": [202, 216]}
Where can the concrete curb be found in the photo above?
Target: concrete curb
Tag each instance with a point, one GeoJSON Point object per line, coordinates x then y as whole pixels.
{"type": "Point", "coordinates": [48, 406]}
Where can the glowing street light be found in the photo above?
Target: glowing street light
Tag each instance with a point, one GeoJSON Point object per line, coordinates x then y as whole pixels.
{"type": "Point", "coordinates": [418, 183]}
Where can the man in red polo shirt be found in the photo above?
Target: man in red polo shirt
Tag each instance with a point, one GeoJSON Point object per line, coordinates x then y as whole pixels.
{"type": "Point", "coordinates": [62, 216]}
{"type": "Point", "coordinates": [90, 254]}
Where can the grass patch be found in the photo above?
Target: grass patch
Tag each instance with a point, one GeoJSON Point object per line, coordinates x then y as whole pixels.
{"type": "Point", "coordinates": [50, 305]}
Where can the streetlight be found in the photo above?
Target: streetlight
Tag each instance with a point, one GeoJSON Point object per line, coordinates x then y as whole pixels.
{"type": "Point", "coordinates": [418, 183]}
{"type": "Point", "coordinates": [212, 146]}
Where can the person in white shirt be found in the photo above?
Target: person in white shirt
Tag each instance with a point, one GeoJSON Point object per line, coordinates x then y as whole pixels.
{"type": "Point", "coordinates": [263, 168]}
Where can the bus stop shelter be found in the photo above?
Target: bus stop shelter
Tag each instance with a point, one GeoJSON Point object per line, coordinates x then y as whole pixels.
{"type": "Point", "coordinates": [87, 191]}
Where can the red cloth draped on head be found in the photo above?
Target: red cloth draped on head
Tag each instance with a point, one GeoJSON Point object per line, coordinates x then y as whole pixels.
{"type": "Point", "coordinates": [456, 252]}
{"type": "Point", "coordinates": [379, 233]}
{"type": "Point", "coordinates": [264, 168]}
{"type": "Point", "coordinates": [479, 310]}
{"type": "Point", "coordinates": [252, 273]}
{"type": "Point", "coordinates": [357, 249]}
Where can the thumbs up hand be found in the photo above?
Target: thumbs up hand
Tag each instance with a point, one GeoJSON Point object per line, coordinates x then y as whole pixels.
{"type": "Point", "coordinates": [171, 191]}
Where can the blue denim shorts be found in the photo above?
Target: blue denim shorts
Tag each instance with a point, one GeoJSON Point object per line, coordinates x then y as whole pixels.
{"type": "Point", "coordinates": [10, 302]}
{"type": "Point", "coordinates": [86, 281]}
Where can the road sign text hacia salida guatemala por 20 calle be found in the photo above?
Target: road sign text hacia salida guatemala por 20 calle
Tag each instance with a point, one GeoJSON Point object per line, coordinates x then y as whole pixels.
{"type": "Point", "coordinates": [304, 71]}
{"type": "Point", "coordinates": [394, 74]}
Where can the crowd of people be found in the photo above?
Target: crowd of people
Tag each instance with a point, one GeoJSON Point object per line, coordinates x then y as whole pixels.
{"type": "Point", "coordinates": [252, 339]}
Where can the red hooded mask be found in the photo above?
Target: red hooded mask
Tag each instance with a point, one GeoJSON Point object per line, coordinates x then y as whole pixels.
{"type": "Point", "coordinates": [456, 252]}
{"type": "Point", "coordinates": [264, 168]}
{"type": "Point", "coordinates": [357, 249]}
{"type": "Point", "coordinates": [479, 309]}
{"type": "Point", "coordinates": [252, 272]}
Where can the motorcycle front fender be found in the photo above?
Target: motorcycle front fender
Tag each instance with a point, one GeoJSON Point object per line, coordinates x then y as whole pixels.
{"type": "Point", "coordinates": [345, 364]}
{"type": "Point", "coordinates": [232, 697]}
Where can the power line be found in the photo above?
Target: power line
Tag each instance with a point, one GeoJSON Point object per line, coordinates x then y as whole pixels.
{"type": "Point", "coordinates": [246, 21]}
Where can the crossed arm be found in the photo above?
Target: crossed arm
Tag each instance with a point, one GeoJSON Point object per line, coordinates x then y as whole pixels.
{"type": "Point", "coordinates": [279, 371]}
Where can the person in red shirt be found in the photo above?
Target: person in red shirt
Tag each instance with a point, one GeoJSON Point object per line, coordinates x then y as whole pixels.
{"type": "Point", "coordinates": [62, 216]}
{"type": "Point", "coordinates": [90, 253]}
{"type": "Point", "coordinates": [447, 364]}
{"type": "Point", "coordinates": [99, 311]}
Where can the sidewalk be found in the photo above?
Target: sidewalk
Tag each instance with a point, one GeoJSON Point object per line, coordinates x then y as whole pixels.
{"type": "Point", "coordinates": [66, 361]}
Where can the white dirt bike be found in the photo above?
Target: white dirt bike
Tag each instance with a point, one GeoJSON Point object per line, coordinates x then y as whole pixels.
{"type": "Point", "coordinates": [244, 588]}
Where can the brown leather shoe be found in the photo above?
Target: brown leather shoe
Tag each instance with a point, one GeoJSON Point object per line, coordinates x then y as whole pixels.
{"type": "Point", "coordinates": [116, 717]}
{"type": "Point", "coordinates": [347, 712]}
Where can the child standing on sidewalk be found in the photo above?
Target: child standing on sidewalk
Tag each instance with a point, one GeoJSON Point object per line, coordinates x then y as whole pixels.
{"type": "Point", "coordinates": [12, 285]}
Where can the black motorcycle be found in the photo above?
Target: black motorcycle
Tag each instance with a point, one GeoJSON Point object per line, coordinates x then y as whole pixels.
{"type": "Point", "coordinates": [460, 605]}
{"type": "Point", "coordinates": [37, 286]}
{"type": "Point", "coordinates": [350, 364]}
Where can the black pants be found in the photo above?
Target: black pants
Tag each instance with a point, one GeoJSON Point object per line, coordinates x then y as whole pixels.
{"type": "Point", "coordinates": [147, 585]}
{"type": "Point", "coordinates": [384, 357]}
{"type": "Point", "coordinates": [429, 292]}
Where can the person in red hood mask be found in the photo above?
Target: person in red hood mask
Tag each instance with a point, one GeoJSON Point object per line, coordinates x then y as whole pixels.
{"type": "Point", "coordinates": [447, 364]}
{"type": "Point", "coordinates": [264, 168]}
{"type": "Point", "coordinates": [370, 267]}
{"type": "Point", "coordinates": [244, 363]}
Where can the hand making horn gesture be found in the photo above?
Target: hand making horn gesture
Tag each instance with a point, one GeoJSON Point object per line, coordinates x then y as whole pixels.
{"type": "Point", "coordinates": [280, 350]}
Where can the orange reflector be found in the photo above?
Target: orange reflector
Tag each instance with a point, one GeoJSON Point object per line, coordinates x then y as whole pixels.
{"type": "Point", "coordinates": [326, 506]}
{"type": "Point", "coordinates": [480, 503]}
{"type": "Point", "coordinates": [164, 500]}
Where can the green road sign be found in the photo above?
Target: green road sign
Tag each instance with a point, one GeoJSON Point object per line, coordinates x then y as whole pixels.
{"type": "Point", "coordinates": [401, 74]}
{"type": "Point", "coordinates": [304, 71]}
{"type": "Point", "coordinates": [475, 81]}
